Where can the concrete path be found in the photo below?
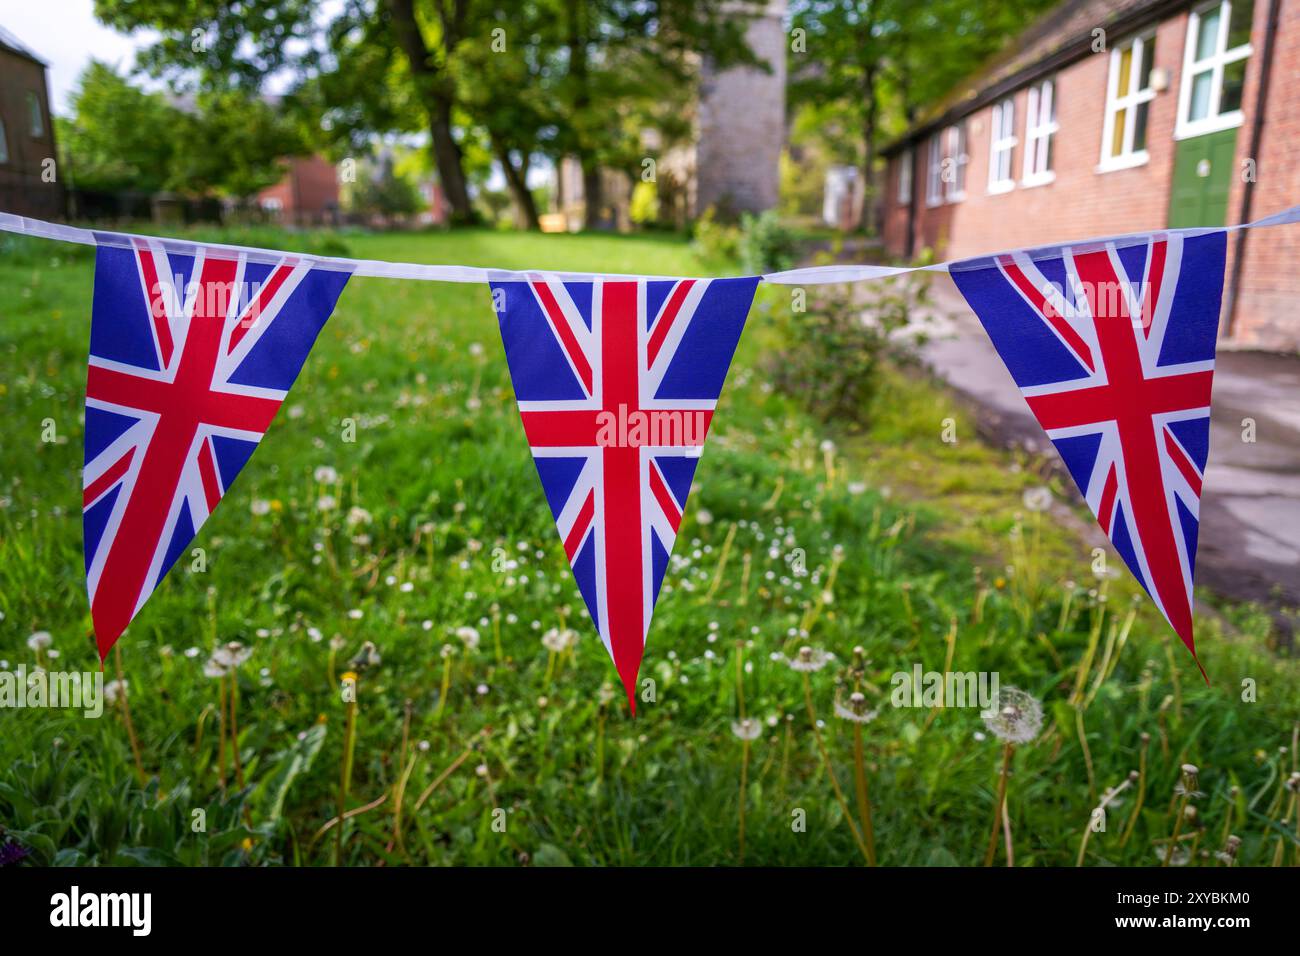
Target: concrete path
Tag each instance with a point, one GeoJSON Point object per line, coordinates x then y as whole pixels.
{"type": "Point", "coordinates": [1249, 545]}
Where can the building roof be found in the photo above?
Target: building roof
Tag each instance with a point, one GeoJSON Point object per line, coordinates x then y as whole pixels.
{"type": "Point", "coordinates": [1059, 37]}
{"type": "Point", "coordinates": [10, 42]}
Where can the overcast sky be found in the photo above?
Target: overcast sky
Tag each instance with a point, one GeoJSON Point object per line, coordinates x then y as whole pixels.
{"type": "Point", "coordinates": [66, 35]}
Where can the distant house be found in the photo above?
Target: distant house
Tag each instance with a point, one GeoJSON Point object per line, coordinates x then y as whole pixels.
{"type": "Point", "coordinates": [308, 195]}
{"type": "Point", "coordinates": [1112, 116]}
{"type": "Point", "coordinates": [29, 180]}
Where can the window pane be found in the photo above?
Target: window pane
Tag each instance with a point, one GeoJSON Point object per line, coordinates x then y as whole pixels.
{"type": "Point", "coordinates": [1117, 134]}
{"type": "Point", "coordinates": [1234, 78]}
{"type": "Point", "coordinates": [4, 144]}
{"type": "Point", "coordinates": [1243, 11]}
{"type": "Point", "coordinates": [1125, 72]}
{"type": "Point", "coordinates": [1200, 95]}
{"type": "Point", "coordinates": [1148, 58]}
{"type": "Point", "coordinates": [1208, 35]}
{"type": "Point", "coordinates": [1047, 153]}
{"type": "Point", "coordinates": [36, 122]}
{"type": "Point", "coordinates": [1140, 129]}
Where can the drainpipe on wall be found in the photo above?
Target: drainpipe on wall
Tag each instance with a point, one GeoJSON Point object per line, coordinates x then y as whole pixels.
{"type": "Point", "coordinates": [1248, 192]}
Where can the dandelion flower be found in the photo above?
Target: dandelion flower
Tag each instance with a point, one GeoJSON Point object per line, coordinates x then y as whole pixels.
{"type": "Point", "coordinates": [808, 659]}
{"type": "Point", "coordinates": [113, 690]}
{"type": "Point", "coordinates": [358, 516]}
{"type": "Point", "coordinates": [232, 654]}
{"type": "Point", "coordinates": [855, 710]}
{"type": "Point", "coordinates": [1038, 498]}
{"type": "Point", "coordinates": [326, 503]}
{"type": "Point", "coordinates": [1019, 717]}
{"type": "Point", "coordinates": [40, 641]}
{"type": "Point", "coordinates": [469, 637]}
{"type": "Point", "coordinates": [366, 658]}
{"type": "Point", "coordinates": [260, 507]}
{"type": "Point", "coordinates": [558, 641]}
{"type": "Point", "coordinates": [747, 729]}
{"type": "Point", "coordinates": [325, 475]}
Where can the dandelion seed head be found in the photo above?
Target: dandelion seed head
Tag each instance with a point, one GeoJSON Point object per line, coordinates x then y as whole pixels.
{"type": "Point", "coordinates": [1019, 717]}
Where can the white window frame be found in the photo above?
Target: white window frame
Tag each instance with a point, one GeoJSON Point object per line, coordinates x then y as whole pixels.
{"type": "Point", "coordinates": [1039, 132]}
{"type": "Point", "coordinates": [1215, 62]}
{"type": "Point", "coordinates": [1128, 100]}
{"type": "Point", "coordinates": [1002, 140]}
{"type": "Point", "coordinates": [934, 171]}
{"type": "Point", "coordinates": [905, 164]}
{"type": "Point", "coordinates": [956, 150]}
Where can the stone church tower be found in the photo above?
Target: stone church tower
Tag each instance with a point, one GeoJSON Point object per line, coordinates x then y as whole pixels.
{"type": "Point", "coordinates": [740, 125]}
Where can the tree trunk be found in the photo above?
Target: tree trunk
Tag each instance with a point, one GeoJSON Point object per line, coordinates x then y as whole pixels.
{"type": "Point", "coordinates": [436, 97]}
{"type": "Point", "coordinates": [593, 194]}
{"type": "Point", "coordinates": [517, 183]}
{"type": "Point", "coordinates": [866, 221]}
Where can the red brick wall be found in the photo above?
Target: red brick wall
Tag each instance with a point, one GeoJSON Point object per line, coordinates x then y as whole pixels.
{"type": "Point", "coordinates": [1267, 315]}
{"type": "Point", "coordinates": [309, 189]}
{"type": "Point", "coordinates": [1082, 202]}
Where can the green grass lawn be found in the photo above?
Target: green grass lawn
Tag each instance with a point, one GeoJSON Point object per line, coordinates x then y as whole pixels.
{"type": "Point", "coordinates": [474, 744]}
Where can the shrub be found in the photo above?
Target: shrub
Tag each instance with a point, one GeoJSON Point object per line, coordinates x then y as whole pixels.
{"type": "Point", "coordinates": [834, 349]}
{"type": "Point", "coordinates": [765, 244]}
{"type": "Point", "coordinates": [717, 244]}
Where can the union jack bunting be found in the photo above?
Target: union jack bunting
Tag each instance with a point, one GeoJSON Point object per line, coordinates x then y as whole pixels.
{"type": "Point", "coordinates": [617, 383]}
{"type": "Point", "coordinates": [1112, 345]}
{"type": "Point", "coordinates": [190, 358]}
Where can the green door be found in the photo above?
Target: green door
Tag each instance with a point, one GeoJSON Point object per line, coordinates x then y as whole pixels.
{"type": "Point", "coordinates": [1202, 178]}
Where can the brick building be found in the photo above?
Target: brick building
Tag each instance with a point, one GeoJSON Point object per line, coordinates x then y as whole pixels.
{"type": "Point", "coordinates": [29, 184]}
{"type": "Point", "coordinates": [1112, 116]}
{"type": "Point", "coordinates": [308, 195]}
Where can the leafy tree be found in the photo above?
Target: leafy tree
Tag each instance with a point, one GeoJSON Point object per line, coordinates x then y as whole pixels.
{"type": "Point", "coordinates": [870, 65]}
{"type": "Point", "coordinates": [123, 138]}
{"type": "Point", "coordinates": [509, 80]}
{"type": "Point", "coordinates": [119, 137]}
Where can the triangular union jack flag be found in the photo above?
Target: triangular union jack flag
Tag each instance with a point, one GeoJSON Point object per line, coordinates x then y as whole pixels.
{"type": "Point", "coordinates": [617, 381]}
{"type": "Point", "coordinates": [190, 358]}
{"type": "Point", "coordinates": [1112, 345]}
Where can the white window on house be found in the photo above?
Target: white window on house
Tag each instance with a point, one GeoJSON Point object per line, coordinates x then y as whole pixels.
{"type": "Point", "coordinates": [4, 144]}
{"type": "Point", "coordinates": [1128, 103]}
{"type": "Point", "coordinates": [934, 172]}
{"type": "Point", "coordinates": [955, 160]}
{"type": "Point", "coordinates": [1002, 144]}
{"type": "Point", "coordinates": [1214, 67]}
{"type": "Point", "coordinates": [35, 118]}
{"type": "Point", "coordinates": [905, 178]}
{"type": "Point", "coordinates": [1040, 134]}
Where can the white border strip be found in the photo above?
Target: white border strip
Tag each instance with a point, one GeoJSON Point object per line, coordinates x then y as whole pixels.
{"type": "Point", "coordinates": [813, 275]}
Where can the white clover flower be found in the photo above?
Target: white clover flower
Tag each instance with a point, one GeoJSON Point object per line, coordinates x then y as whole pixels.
{"type": "Point", "coordinates": [325, 475]}
{"type": "Point", "coordinates": [1019, 717]}
{"type": "Point", "coordinates": [747, 729]}
{"type": "Point", "coordinates": [40, 641]}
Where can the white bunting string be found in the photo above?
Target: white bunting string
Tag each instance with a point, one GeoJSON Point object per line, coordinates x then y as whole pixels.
{"type": "Point", "coordinates": [808, 275]}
